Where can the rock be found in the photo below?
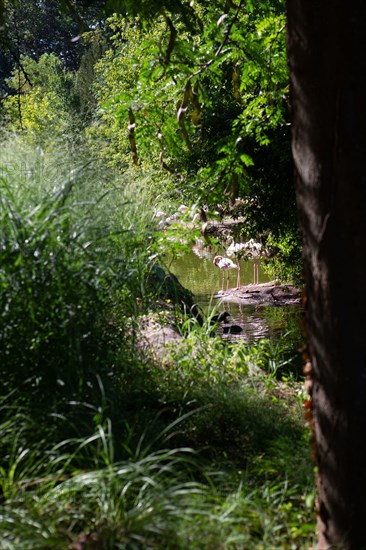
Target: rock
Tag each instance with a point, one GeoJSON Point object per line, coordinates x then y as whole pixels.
{"type": "Point", "coordinates": [268, 294]}
{"type": "Point", "coordinates": [154, 337]}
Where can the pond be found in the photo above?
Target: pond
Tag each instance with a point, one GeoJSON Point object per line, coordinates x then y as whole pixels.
{"type": "Point", "coordinates": [199, 275]}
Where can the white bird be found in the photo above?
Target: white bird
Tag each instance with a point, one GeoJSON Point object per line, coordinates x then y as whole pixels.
{"type": "Point", "coordinates": [251, 249]}
{"type": "Point", "coordinates": [225, 264]}
{"type": "Point", "coordinates": [234, 249]}
{"type": "Point", "coordinates": [254, 251]}
{"type": "Point", "coordinates": [253, 246]}
{"type": "Point", "coordinates": [201, 249]}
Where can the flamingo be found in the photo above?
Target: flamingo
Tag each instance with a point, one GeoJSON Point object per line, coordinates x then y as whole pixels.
{"type": "Point", "coordinates": [254, 251]}
{"type": "Point", "coordinates": [200, 248]}
{"type": "Point", "coordinates": [225, 264]}
{"type": "Point", "coordinates": [234, 249]}
{"type": "Point", "coordinates": [251, 249]}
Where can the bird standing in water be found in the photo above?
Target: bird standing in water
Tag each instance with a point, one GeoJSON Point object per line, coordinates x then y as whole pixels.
{"type": "Point", "coordinates": [254, 252]}
{"type": "Point", "coordinates": [235, 249]}
{"type": "Point", "coordinates": [225, 264]}
{"type": "Point", "coordinates": [250, 250]}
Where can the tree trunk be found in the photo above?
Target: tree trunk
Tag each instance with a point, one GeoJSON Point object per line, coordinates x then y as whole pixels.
{"type": "Point", "coordinates": [327, 64]}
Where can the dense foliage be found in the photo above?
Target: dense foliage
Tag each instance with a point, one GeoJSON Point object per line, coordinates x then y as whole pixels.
{"type": "Point", "coordinates": [117, 110]}
{"type": "Point", "coordinates": [195, 96]}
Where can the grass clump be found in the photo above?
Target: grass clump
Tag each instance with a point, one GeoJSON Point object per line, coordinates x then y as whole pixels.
{"type": "Point", "coordinates": [108, 504]}
{"type": "Point", "coordinates": [64, 262]}
{"type": "Point", "coordinates": [166, 498]}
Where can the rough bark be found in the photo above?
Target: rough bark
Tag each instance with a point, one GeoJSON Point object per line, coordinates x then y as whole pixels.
{"type": "Point", "coordinates": [327, 64]}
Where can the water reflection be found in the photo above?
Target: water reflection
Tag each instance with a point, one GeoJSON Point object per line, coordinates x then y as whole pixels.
{"type": "Point", "coordinates": [203, 279]}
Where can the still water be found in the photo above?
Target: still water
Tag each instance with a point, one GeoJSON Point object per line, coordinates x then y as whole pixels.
{"type": "Point", "coordinates": [204, 279]}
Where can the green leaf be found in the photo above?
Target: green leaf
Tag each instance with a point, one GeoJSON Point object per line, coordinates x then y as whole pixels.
{"type": "Point", "coordinates": [246, 159]}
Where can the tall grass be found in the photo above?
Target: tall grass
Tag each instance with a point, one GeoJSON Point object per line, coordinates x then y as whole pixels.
{"type": "Point", "coordinates": [50, 502]}
{"type": "Point", "coordinates": [72, 265]}
{"type": "Point", "coordinates": [166, 498]}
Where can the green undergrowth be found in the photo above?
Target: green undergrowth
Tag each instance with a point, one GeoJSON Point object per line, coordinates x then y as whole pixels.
{"type": "Point", "coordinates": [101, 446]}
{"type": "Point", "coordinates": [195, 455]}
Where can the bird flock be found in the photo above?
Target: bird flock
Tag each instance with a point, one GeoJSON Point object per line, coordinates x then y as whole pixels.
{"type": "Point", "coordinates": [250, 249]}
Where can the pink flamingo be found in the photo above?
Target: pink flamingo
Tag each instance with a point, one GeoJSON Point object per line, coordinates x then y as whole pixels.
{"type": "Point", "coordinates": [225, 264]}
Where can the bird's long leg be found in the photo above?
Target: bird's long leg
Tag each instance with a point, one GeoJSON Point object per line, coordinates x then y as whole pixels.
{"type": "Point", "coordinates": [223, 279]}
{"type": "Point", "coordinates": [238, 278]}
{"type": "Point", "coordinates": [255, 273]}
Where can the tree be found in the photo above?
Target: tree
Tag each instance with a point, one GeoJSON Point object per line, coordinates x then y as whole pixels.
{"type": "Point", "coordinates": [203, 97]}
{"type": "Point", "coordinates": [38, 27]}
{"type": "Point", "coordinates": [199, 90]}
{"type": "Point", "coordinates": [41, 110]}
{"type": "Point", "coordinates": [210, 102]}
{"type": "Point", "coordinates": [326, 56]}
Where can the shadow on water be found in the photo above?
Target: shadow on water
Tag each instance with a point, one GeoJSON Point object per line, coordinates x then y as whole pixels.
{"type": "Point", "coordinates": [203, 279]}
